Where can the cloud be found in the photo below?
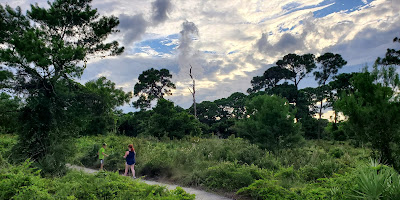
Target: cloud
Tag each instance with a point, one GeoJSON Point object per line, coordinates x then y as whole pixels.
{"type": "Point", "coordinates": [132, 27]}
{"type": "Point", "coordinates": [187, 54]}
{"type": "Point", "coordinates": [160, 8]}
{"type": "Point", "coordinates": [245, 38]}
{"type": "Point", "coordinates": [287, 43]}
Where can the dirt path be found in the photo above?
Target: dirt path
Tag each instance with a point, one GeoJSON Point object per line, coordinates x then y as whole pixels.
{"type": "Point", "coordinates": [200, 195]}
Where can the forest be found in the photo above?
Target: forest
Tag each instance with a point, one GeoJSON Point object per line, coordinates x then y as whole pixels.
{"type": "Point", "coordinates": [270, 143]}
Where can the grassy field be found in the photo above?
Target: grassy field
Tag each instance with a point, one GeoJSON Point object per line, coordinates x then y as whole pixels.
{"type": "Point", "coordinates": [23, 181]}
{"type": "Point", "coordinates": [233, 166]}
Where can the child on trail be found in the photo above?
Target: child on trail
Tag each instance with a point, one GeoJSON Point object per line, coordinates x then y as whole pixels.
{"type": "Point", "coordinates": [101, 154]}
{"type": "Point", "coordinates": [130, 160]}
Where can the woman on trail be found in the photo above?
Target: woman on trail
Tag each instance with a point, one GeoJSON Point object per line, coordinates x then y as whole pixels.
{"type": "Point", "coordinates": [130, 160]}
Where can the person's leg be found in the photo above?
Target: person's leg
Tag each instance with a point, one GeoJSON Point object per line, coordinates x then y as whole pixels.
{"type": "Point", "coordinates": [126, 169]}
{"type": "Point", "coordinates": [101, 164]}
{"type": "Point", "coordinates": [133, 170]}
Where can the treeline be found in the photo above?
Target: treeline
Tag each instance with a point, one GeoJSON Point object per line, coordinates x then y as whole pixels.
{"type": "Point", "coordinates": [41, 64]}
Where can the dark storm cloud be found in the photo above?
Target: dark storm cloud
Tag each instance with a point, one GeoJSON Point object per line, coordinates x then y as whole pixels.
{"type": "Point", "coordinates": [286, 44]}
{"type": "Point", "coordinates": [367, 45]}
{"type": "Point", "coordinates": [133, 27]}
{"type": "Point", "coordinates": [160, 8]}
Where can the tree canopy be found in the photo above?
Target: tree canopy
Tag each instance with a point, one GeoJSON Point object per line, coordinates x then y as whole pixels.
{"type": "Point", "coordinates": [153, 84]}
{"type": "Point", "coordinates": [44, 50]}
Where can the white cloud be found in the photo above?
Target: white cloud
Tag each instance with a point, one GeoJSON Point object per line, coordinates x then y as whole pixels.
{"type": "Point", "coordinates": [252, 29]}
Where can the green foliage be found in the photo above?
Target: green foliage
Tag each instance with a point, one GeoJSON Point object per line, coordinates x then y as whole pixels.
{"type": "Point", "coordinates": [24, 182]}
{"type": "Point", "coordinates": [267, 189]}
{"type": "Point", "coordinates": [392, 56]}
{"type": "Point", "coordinates": [44, 49]}
{"type": "Point", "coordinates": [167, 121]}
{"type": "Point", "coordinates": [17, 182]}
{"type": "Point", "coordinates": [373, 110]}
{"type": "Point", "coordinates": [104, 98]}
{"type": "Point", "coordinates": [132, 124]}
{"type": "Point", "coordinates": [104, 185]}
{"type": "Point", "coordinates": [153, 84]}
{"type": "Point", "coordinates": [298, 65]}
{"type": "Point", "coordinates": [377, 181]}
{"type": "Point", "coordinates": [9, 107]}
{"type": "Point", "coordinates": [336, 152]}
{"type": "Point", "coordinates": [271, 77]}
{"type": "Point", "coordinates": [330, 64]}
{"type": "Point", "coordinates": [270, 124]}
{"type": "Point", "coordinates": [229, 176]}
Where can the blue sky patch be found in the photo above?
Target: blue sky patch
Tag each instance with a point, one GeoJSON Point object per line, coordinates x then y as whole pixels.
{"type": "Point", "coordinates": [339, 5]}
{"type": "Point", "coordinates": [334, 6]}
{"type": "Point", "coordinates": [161, 45]}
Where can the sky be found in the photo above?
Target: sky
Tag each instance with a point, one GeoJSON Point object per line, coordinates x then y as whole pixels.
{"type": "Point", "coordinates": [230, 42]}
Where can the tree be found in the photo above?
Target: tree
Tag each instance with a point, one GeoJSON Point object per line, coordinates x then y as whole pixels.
{"type": "Point", "coordinates": [340, 86]}
{"type": "Point", "coordinates": [392, 56]}
{"type": "Point", "coordinates": [270, 123]}
{"type": "Point", "coordinates": [9, 109]}
{"type": "Point", "coordinates": [104, 99]}
{"type": "Point", "coordinates": [44, 49]}
{"type": "Point", "coordinates": [132, 124]}
{"type": "Point", "coordinates": [153, 84]}
{"type": "Point", "coordinates": [330, 64]}
{"type": "Point", "coordinates": [270, 78]}
{"type": "Point", "coordinates": [5, 77]}
{"type": "Point", "coordinates": [233, 106]}
{"type": "Point", "coordinates": [373, 112]}
{"type": "Point", "coordinates": [167, 121]}
{"type": "Point", "coordinates": [298, 65]}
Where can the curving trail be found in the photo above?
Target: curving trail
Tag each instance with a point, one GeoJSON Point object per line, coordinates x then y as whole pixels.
{"type": "Point", "coordinates": [200, 195]}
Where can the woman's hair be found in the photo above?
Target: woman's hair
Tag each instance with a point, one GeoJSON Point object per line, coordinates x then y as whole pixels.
{"type": "Point", "coordinates": [131, 146]}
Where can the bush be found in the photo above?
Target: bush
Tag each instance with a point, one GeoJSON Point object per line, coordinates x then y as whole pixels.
{"type": "Point", "coordinates": [269, 161]}
{"type": "Point", "coordinates": [377, 181]}
{"type": "Point", "coordinates": [270, 124]}
{"type": "Point", "coordinates": [267, 189]}
{"type": "Point", "coordinates": [24, 182]}
{"type": "Point", "coordinates": [229, 176]}
{"type": "Point", "coordinates": [336, 152]}
{"type": "Point", "coordinates": [325, 168]}
{"type": "Point", "coordinates": [18, 181]}
{"type": "Point", "coordinates": [104, 185]}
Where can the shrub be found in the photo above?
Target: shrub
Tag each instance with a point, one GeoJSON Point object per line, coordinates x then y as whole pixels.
{"type": "Point", "coordinates": [24, 182]}
{"type": "Point", "coordinates": [325, 168]}
{"type": "Point", "coordinates": [18, 181]}
{"type": "Point", "coordinates": [377, 181]}
{"type": "Point", "coordinates": [336, 152]}
{"type": "Point", "coordinates": [104, 185]}
{"type": "Point", "coordinates": [229, 176]}
{"type": "Point", "coordinates": [268, 161]}
{"type": "Point", "coordinates": [267, 189]}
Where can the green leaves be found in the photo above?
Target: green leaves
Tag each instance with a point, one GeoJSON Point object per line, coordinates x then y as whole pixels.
{"type": "Point", "coordinates": [373, 114]}
{"type": "Point", "coordinates": [270, 123]}
{"type": "Point", "coordinates": [298, 65]}
{"type": "Point", "coordinates": [153, 84]}
{"type": "Point", "coordinates": [43, 50]}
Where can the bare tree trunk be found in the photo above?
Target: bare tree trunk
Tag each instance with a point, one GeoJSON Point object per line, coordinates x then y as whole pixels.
{"type": "Point", "coordinates": [193, 91]}
{"type": "Point", "coordinates": [319, 121]}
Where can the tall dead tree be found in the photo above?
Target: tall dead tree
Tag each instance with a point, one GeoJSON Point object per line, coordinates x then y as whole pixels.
{"type": "Point", "coordinates": [193, 91]}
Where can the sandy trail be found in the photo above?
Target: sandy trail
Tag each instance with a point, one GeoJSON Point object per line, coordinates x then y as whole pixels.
{"type": "Point", "coordinates": [200, 195]}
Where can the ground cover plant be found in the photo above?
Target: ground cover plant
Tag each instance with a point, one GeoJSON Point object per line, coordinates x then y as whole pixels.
{"type": "Point", "coordinates": [318, 170]}
{"type": "Point", "coordinates": [22, 181]}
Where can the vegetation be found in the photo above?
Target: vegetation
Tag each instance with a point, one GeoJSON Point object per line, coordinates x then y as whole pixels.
{"type": "Point", "coordinates": [264, 145]}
